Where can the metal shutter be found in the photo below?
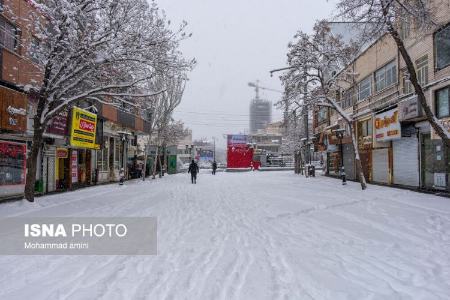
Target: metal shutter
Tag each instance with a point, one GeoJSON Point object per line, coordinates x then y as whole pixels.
{"type": "Point", "coordinates": [349, 161]}
{"type": "Point", "coordinates": [406, 161]}
{"type": "Point", "coordinates": [380, 165]}
{"type": "Point", "coordinates": [49, 169]}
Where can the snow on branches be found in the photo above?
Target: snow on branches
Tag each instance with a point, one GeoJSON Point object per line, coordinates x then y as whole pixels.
{"type": "Point", "coordinates": [311, 82]}
{"type": "Point", "coordinates": [401, 19]}
{"type": "Point", "coordinates": [100, 49]}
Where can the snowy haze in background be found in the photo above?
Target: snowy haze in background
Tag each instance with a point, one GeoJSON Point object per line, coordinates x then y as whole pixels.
{"type": "Point", "coordinates": [235, 42]}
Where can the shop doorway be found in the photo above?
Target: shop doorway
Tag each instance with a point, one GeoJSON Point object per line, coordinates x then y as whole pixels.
{"type": "Point", "coordinates": [426, 161]}
{"type": "Point", "coordinates": [63, 173]}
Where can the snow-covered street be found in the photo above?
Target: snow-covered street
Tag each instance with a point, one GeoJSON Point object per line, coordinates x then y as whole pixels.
{"type": "Point", "coordinates": [259, 235]}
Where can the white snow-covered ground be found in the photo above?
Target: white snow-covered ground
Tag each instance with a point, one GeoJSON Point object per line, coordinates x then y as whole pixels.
{"type": "Point", "coordinates": [256, 235]}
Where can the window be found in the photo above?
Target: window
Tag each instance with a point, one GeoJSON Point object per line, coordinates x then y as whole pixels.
{"type": "Point", "coordinates": [405, 27]}
{"type": "Point", "coordinates": [365, 89]}
{"type": "Point", "coordinates": [34, 49]}
{"type": "Point", "coordinates": [407, 86]}
{"type": "Point", "coordinates": [8, 35]}
{"type": "Point", "coordinates": [386, 76]}
{"type": "Point", "coordinates": [364, 130]}
{"type": "Point", "coordinates": [442, 47]}
{"type": "Point", "coordinates": [322, 114]}
{"type": "Point", "coordinates": [349, 98]}
{"type": "Point", "coordinates": [443, 103]}
{"type": "Point", "coordinates": [422, 70]}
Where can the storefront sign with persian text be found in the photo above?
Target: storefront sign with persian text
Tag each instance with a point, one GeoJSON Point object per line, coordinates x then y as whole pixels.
{"type": "Point", "coordinates": [62, 152]}
{"type": "Point", "coordinates": [409, 109]}
{"type": "Point", "coordinates": [387, 126]}
{"type": "Point", "coordinates": [82, 132]}
{"type": "Point", "coordinates": [58, 124]}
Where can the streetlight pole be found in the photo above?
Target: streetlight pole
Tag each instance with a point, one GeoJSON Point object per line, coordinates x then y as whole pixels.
{"type": "Point", "coordinates": [340, 135]}
{"type": "Point", "coordinates": [214, 153]}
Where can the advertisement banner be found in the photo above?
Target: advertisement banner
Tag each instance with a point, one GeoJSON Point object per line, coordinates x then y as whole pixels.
{"type": "Point", "coordinates": [74, 166]}
{"type": "Point", "coordinates": [237, 139]}
{"type": "Point", "coordinates": [82, 131]}
{"type": "Point", "coordinates": [206, 155]}
{"type": "Point", "coordinates": [387, 126]}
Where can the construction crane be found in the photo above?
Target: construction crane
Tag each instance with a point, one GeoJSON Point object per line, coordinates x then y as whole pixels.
{"type": "Point", "coordinates": [258, 87]}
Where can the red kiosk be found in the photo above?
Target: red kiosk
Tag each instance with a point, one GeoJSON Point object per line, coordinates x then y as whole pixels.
{"type": "Point", "coordinates": [239, 152]}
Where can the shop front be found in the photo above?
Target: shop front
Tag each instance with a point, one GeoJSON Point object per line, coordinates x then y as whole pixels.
{"type": "Point", "coordinates": [13, 142]}
{"type": "Point", "coordinates": [12, 168]}
{"type": "Point", "coordinates": [62, 166]}
{"type": "Point", "coordinates": [406, 150]}
{"type": "Point", "coordinates": [55, 154]}
{"type": "Point", "coordinates": [364, 131]}
{"type": "Point", "coordinates": [82, 141]}
{"type": "Point", "coordinates": [387, 130]}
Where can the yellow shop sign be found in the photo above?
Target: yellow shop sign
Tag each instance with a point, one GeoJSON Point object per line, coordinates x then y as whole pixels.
{"type": "Point", "coordinates": [82, 131]}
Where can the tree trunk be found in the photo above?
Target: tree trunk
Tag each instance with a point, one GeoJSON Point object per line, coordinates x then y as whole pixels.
{"type": "Point", "coordinates": [32, 164]}
{"type": "Point", "coordinates": [440, 130]}
{"type": "Point", "coordinates": [154, 163]}
{"type": "Point", "coordinates": [362, 179]}
{"type": "Point", "coordinates": [144, 167]}
{"type": "Point", "coordinates": [160, 166]}
{"type": "Point", "coordinates": [164, 162]}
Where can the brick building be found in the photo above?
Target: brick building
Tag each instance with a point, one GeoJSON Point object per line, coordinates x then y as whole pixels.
{"type": "Point", "coordinates": [19, 69]}
{"type": "Point", "coordinates": [397, 145]}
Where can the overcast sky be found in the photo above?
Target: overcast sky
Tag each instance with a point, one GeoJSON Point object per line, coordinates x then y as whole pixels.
{"type": "Point", "coordinates": [235, 42]}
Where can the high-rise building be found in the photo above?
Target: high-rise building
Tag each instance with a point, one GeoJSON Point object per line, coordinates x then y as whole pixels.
{"type": "Point", "coordinates": [260, 114]}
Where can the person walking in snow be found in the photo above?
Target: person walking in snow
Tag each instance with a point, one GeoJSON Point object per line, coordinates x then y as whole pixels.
{"type": "Point", "coordinates": [214, 167]}
{"type": "Point", "coordinates": [193, 169]}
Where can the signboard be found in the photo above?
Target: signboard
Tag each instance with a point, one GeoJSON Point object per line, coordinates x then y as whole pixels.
{"type": "Point", "coordinates": [387, 126]}
{"type": "Point", "coordinates": [237, 139]}
{"type": "Point", "coordinates": [409, 109]}
{"type": "Point", "coordinates": [440, 180]}
{"type": "Point", "coordinates": [13, 110]}
{"type": "Point", "coordinates": [74, 166]}
{"type": "Point", "coordinates": [82, 131]}
{"type": "Point", "coordinates": [206, 155]}
{"type": "Point", "coordinates": [58, 124]}
{"type": "Point", "coordinates": [62, 153]}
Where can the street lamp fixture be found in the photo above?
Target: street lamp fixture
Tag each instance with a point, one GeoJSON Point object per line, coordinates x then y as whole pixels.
{"type": "Point", "coordinates": [340, 135]}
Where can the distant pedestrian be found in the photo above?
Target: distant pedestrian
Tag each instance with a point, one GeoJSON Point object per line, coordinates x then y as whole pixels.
{"type": "Point", "coordinates": [193, 169]}
{"type": "Point", "coordinates": [214, 167]}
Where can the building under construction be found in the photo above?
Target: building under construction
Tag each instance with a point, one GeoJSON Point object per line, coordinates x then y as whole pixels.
{"type": "Point", "coordinates": [260, 110]}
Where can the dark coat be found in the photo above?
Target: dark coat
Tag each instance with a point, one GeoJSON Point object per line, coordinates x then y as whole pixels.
{"type": "Point", "coordinates": [193, 168]}
{"type": "Point", "coordinates": [214, 165]}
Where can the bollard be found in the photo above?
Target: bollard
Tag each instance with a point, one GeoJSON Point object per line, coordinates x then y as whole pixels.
{"type": "Point", "coordinates": [344, 180]}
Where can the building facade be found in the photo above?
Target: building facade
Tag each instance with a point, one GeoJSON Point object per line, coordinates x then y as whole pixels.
{"type": "Point", "coordinates": [396, 143]}
{"type": "Point", "coordinates": [260, 114]}
{"type": "Point", "coordinates": [18, 70]}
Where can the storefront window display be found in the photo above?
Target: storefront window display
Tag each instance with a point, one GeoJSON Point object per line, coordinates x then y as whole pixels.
{"type": "Point", "coordinates": [12, 163]}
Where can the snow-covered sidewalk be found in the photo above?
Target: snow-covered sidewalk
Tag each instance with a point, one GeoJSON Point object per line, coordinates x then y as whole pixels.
{"type": "Point", "coordinates": [256, 235]}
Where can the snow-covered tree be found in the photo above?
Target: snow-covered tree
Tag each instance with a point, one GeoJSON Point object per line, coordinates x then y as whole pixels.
{"type": "Point", "coordinates": [312, 58]}
{"type": "Point", "coordinates": [391, 17]}
{"type": "Point", "coordinates": [161, 110]}
{"type": "Point", "coordinates": [99, 50]}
